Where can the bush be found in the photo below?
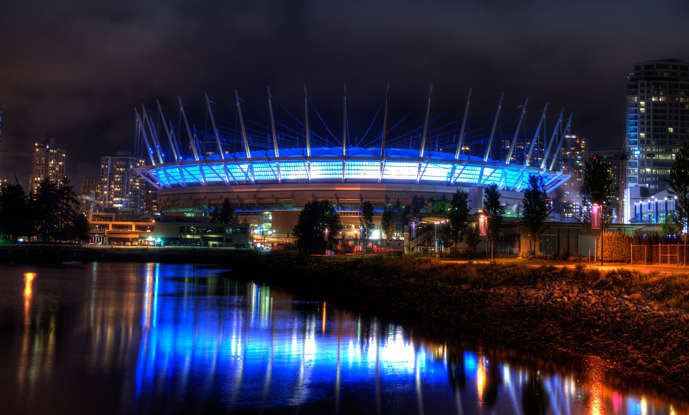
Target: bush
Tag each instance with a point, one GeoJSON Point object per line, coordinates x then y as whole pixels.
{"type": "Point", "coordinates": [616, 247]}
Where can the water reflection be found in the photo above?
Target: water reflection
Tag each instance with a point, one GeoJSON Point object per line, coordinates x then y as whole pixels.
{"type": "Point", "coordinates": [167, 338]}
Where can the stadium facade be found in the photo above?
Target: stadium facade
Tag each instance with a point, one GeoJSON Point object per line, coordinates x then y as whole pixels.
{"type": "Point", "coordinates": [269, 170]}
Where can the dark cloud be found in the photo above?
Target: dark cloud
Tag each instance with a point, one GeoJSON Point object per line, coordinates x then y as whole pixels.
{"type": "Point", "coordinates": [75, 69]}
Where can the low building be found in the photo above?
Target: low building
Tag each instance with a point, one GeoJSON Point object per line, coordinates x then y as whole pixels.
{"type": "Point", "coordinates": [181, 231]}
{"type": "Point", "coordinates": [653, 209]}
{"type": "Point", "coordinates": [111, 229]}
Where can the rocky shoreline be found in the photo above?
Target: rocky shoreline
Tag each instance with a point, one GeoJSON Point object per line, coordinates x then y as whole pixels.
{"type": "Point", "coordinates": [620, 317]}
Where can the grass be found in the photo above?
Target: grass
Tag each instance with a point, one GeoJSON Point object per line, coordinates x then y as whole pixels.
{"type": "Point", "coordinates": [669, 290]}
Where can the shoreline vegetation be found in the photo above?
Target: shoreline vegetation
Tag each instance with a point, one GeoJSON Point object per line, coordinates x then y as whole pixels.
{"type": "Point", "coordinates": [636, 323]}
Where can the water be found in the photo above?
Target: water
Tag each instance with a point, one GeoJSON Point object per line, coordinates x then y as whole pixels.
{"type": "Point", "coordinates": [150, 338]}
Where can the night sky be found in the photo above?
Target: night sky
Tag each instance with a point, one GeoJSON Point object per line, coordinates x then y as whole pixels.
{"type": "Point", "coordinates": [74, 70]}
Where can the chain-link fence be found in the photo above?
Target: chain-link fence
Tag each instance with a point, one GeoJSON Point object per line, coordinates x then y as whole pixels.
{"type": "Point", "coordinates": [662, 254]}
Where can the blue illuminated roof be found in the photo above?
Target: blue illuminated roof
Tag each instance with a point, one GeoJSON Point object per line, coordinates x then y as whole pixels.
{"type": "Point", "coordinates": [360, 165]}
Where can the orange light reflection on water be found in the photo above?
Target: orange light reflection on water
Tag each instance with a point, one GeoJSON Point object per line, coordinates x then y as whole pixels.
{"type": "Point", "coordinates": [481, 379]}
{"type": "Point", "coordinates": [28, 293]}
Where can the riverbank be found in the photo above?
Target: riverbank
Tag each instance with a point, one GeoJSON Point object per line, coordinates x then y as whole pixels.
{"type": "Point", "coordinates": [55, 254]}
{"type": "Point", "coordinates": [636, 323]}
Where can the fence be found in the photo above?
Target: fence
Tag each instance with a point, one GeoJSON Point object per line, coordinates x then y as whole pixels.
{"type": "Point", "coordinates": [663, 254]}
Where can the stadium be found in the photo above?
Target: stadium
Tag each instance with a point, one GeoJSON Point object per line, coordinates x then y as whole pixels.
{"type": "Point", "coordinates": [268, 169]}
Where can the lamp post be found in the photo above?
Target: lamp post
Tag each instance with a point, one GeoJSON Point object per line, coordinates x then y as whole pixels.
{"type": "Point", "coordinates": [596, 223]}
{"type": "Point", "coordinates": [435, 237]}
{"type": "Point", "coordinates": [483, 229]}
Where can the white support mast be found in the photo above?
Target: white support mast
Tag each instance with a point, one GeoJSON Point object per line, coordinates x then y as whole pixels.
{"type": "Point", "coordinates": [464, 123]}
{"type": "Point", "coordinates": [140, 124]}
{"type": "Point", "coordinates": [306, 123]}
{"type": "Point", "coordinates": [241, 125]}
{"type": "Point", "coordinates": [273, 132]}
{"type": "Point", "coordinates": [221, 153]}
{"type": "Point", "coordinates": [192, 143]}
{"type": "Point", "coordinates": [170, 138]}
{"type": "Point", "coordinates": [344, 122]}
{"type": "Point", "coordinates": [385, 120]}
{"type": "Point", "coordinates": [516, 133]}
{"type": "Point", "coordinates": [154, 134]}
{"type": "Point", "coordinates": [425, 123]}
{"type": "Point", "coordinates": [385, 132]}
{"type": "Point", "coordinates": [562, 138]}
{"type": "Point", "coordinates": [552, 139]}
{"type": "Point", "coordinates": [492, 130]}
{"type": "Point", "coordinates": [535, 136]}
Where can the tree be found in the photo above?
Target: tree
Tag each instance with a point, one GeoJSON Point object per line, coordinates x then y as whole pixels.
{"type": "Point", "coordinates": [316, 227]}
{"type": "Point", "coordinates": [403, 218]}
{"type": "Point", "coordinates": [418, 203]}
{"type": "Point", "coordinates": [458, 215]}
{"type": "Point", "coordinates": [495, 212]}
{"type": "Point", "coordinates": [473, 238]}
{"type": "Point", "coordinates": [387, 222]}
{"type": "Point", "coordinates": [679, 186]}
{"type": "Point", "coordinates": [366, 222]}
{"type": "Point", "coordinates": [557, 199]}
{"type": "Point", "coordinates": [599, 187]}
{"type": "Point", "coordinates": [536, 209]}
{"type": "Point", "coordinates": [224, 214]}
{"type": "Point", "coordinates": [444, 233]}
{"type": "Point", "coordinates": [79, 229]}
{"type": "Point", "coordinates": [15, 218]}
{"type": "Point", "coordinates": [669, 227]}
{"type": "Point", "coordinates": [54, 210]}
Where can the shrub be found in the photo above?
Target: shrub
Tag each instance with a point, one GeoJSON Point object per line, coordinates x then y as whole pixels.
{"type": "Point", "coordinates": [616, 247]}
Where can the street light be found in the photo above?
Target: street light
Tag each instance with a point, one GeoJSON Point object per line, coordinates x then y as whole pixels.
{"type": "Point", "coordinates": [596, 222]}
{"type": "Point", "coordinates": [482, 224]}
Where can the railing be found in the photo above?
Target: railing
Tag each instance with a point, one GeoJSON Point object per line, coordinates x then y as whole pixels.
{"type": "Point", "coordinates": [662, 254]}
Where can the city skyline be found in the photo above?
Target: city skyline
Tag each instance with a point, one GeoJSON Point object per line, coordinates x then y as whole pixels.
{"type": "Point", "coordinates": [134, 54]}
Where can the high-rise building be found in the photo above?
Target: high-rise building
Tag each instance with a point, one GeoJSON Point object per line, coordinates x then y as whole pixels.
{"type": "Point", "coordinates": [657, 121]}
{"type": "Point", "coordinates": [89, 185]}
{"type": "Point", "coordinates": [120, 187]}
{"type": "Point", "coordinates": [48, 161]}
{"type": "Point", "coordinates": [150, 199]}
{"type": "Point", "coordinates": [572, 161]}
{"type": "Point", "coordinates": [88, 193]}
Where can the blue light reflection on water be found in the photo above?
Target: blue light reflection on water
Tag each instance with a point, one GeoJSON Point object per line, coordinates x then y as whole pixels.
{"type": "Point", "coordinates": [259, 348]}
{"type": "Point", "coordinates": [175, 338]}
